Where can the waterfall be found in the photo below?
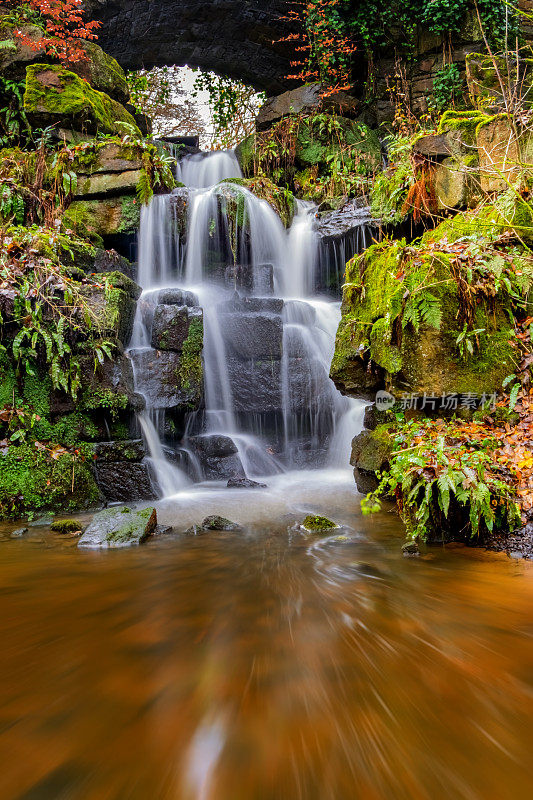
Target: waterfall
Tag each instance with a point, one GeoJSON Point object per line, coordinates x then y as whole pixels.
{"type": "Point", "coordinates": [269, 333]}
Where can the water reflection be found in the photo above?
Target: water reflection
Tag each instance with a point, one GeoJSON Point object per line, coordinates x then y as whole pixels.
{"type": "Point", "coordinates": [264, 666]}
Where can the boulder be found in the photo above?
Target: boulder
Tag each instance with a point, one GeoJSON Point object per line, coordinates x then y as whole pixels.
{"type": "Point", "coordinates": [253, 335]}
{"type": "Point", "coordinates": [112, 452]}
{"type": "Point", "coordinates": [216, 523]}
{"type": "Point", "coordinates": [107, 261]}
{"type": "Point", "coordinates": [316, 524]}
{"type": "Point", "coordinates": [371, 451]}
{"type": "Point", "coordinates": [166, 381]}
{"type": "Point", "coordinates": [270, 305]}
{"type": "Point", "coordinates": [96, 218]}
{"type": "Point", "coordinates": [171, 326]}
{"type": "Point", "coordinates": [124, 481]}
{"type": "Point", "coordinates": [177, 297]}
{"type": "Point", "coordinates": [119, 527]}
{"type": "Point", "coordinates": [102, 71]}
{"type": "Point", "coordinates": [55, 95]}
{"type": "Point", "coordinates": [103, 184]}
{"type": "Point", "coordinates": [304, 100]}
{"type": "Point", "coordinates": [499, 154]}
{"type": "Point", "coordinates": [218, 457]}
{"type": "Point", "coordinates": [425, 358]}
{"type": "Point", "coordinates": [453, 184]}
{"type": "Point", "coordinates": [255, 385]}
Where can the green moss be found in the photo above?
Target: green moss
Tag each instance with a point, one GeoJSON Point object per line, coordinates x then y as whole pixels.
{"type": "Point", "coordinates": [466, 122]}
{"type": "Point", "coordinates": [130, 219]}
{"type": "Point", "coordinates": [191, 372]}
{"type": "Point", "coordinates": [54, 93]}
{"type": "Point", "coordinates": [371, 450]}
{"type": "Point", "coordinates": [315, 524]}
{"type": "Point", "coordinates": [133, 527]}
{"type": "Point", "coordinates": [401, 308]}
{"type": "Point", "coordinates": [30, 480]}
{"type": "Point", "coordinates": [245, 153]}
{"type": "Point", "coordinates": [281, 200]}
{"type": "Point", "coordinates": [65, 526]}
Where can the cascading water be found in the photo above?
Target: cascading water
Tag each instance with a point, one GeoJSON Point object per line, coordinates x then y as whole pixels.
{"type": "Point", "coordinates": [268, 341]}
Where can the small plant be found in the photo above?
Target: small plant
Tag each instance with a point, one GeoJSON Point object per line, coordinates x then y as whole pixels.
{"type": "Point", "coordinates": [467, 340]}
{"type": "Point", "coordinates": [447, 87]}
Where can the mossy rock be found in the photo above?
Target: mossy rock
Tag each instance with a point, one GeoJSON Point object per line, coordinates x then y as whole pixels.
{"type": "Point", "coordinates": [55, 95]}
{"type": "Point", "coordinates": [423, 358]}
{"type": "Point", "coordinates": [103, 72]}
{"type": "Point", "coordinates": [316, 524]}
{"type": "Point", "coordinates": [112, 300]}
{"type": "Point", "coordinates": [371, 450]}
{"type": "Point", "coordinates": [118, 528]}
{"type": "Point", "coordinates": [94, 219]}
{"type": "Point", "coordinates": [65, 526]}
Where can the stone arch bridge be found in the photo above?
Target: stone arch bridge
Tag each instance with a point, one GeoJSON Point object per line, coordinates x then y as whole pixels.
{"type": "Point", "coordinates": [232, 37]}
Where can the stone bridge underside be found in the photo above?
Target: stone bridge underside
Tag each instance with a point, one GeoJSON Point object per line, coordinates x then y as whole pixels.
{"type": "Point", "coordinates": [231, 37]}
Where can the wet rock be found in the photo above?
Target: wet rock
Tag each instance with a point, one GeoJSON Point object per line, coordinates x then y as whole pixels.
{"type": "Point", "coordinates": [131, 450]}
{"type": "Point", "coordinates": [119, 527]}
{"type": "Point", "coordinates": [410, 550]}
{"type": "Point", "coordinates": [216, 523]}
{"type": "Point", "coordinates": [66, 526]}
{"type": "Point", "coordinates": [7, 303]}
{"type": "Point", "coordinates": [163, 382]}
{"type": "Point", "coordinates": [124, 481]}
{"type": "Point", "coordinates": [18, 533]}
{"type": "Point", "coordinates": [269, 305]}
{"type": "Point", "coordinates": [370, 454]}
{"type": "Point", "coordinates": [195, 530]}
{"type": "Point", "coordinates": [218, 457]}
{"type": "Point", "coordinates": [177, 297]}
{"type": "Point", "coordinates": [245, 483]}
{"type": "Point", "coordinates": [255, 384]}
{"type": "Point", "coordinates": [171, 325]}
{"type": "Point", "coordinates": [162, 530]}
{"type": "Point", "coordinates": [253, 335]}
{"type": "Point", "coordinates": [41, 522]}
{"type": "Point", "coordinates": [304, 100]}
{"type": "Point", "coordinates": [259, 278]}
{"type": "Point", "coordinates": [335, 225]}
{"type": "Point", "coordinates": [317, 524]}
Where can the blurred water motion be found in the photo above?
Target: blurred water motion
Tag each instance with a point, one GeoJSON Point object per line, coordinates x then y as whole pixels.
{"type": "Point", "coordinates": [264, 666]}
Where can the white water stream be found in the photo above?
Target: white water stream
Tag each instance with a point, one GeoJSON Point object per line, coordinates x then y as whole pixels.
{"type": "Point", "coordinates": [255, 282]}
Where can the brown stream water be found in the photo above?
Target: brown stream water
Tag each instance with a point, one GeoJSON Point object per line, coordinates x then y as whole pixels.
{"type": "Point", "coordinates": [264, 665]}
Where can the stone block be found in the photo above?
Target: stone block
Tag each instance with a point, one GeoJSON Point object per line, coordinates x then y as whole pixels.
{"type": "Point", "coordinates": [164, 380]}
{"type": "Point", "coordinates": [103, 184]}
{"type": "Point", "coordinates": [499, 154]}
{"type": "Point", "coordinates": [170, 327]}
{"type": "Point", "coordinates": [253, 335]}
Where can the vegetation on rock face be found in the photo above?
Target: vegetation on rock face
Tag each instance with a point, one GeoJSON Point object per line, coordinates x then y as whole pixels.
{"type": "Point", "coordinates": [316, 156]}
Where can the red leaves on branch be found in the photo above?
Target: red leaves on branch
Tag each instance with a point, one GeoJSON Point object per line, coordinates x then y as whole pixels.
{"type": "Point", "coordinates": [324, 39]}
{"type": "Point", "coordinates": [64, 28]}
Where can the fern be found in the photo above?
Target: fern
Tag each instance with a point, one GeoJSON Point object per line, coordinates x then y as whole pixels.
{"type": "Point", "coordinates": [144, 188]}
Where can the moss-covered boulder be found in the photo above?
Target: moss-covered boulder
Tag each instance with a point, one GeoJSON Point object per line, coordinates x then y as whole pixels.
{"type": "Point", "coordinates": [107, 183]}
{"type": "Point", "coordinates": [317, 524]}
{"type": "Point", "coordinates": [407, 312]}
{"type": "Point", "coordinates": [106, 217]}
{"type": "Point", "coordinates": [112, 300]}
{"type": "Point", "coordinates": [485, 81]}
{"type": "Point", "coordinates": [103, 72]}
{"type": "Point", "coordinates": [371, 451]}
{"type": "Point", "coordinates": [99, 69]}
{"type": "Point", "coordinates": [119, 527]}
{"type": "Point", "coordinates": [55, 95]}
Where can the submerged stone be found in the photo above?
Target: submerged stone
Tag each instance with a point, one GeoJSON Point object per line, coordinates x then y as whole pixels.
{"type": "Point", "coordinates": [66, 526]}
{"type": "Point", "coordinates": [410, 550]}
{"type": "Point", "coordinates": [245, 483]}
{"type": "Point", "coordinates": [119, 527]}
{"type": "Point", "coordinates": [18, 533]}
{"type": "Point", "coordinates": [216, 523]}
